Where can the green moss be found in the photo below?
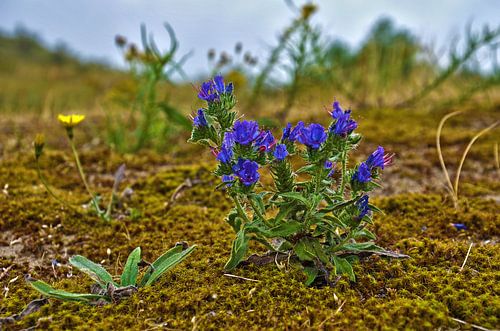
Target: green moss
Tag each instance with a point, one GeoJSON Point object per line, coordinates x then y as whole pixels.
{"type": "Point", "coordinates": [422, 292]}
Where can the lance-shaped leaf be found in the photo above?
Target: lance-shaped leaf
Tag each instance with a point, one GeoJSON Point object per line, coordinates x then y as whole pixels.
{"type": "Point", "coordinates": [311, 274]}
{"type": "Point", "coordinates": [166, 262]}
{"type": "Point", "coordinates": [50, 292]}
{"type": "Point", "coordinates": [342, 266]}
{"type": "Point", "coordinates": [129, 274]}
{"type": "Point", "coordinates": [238, 251]}
{"type": "Point", "coordinates": [297, 197]}
{"type": "Point", "coordinates": [309, 249]}
{"type": "Point", "coordinates": [282, 230]}
{"type": "Point", "coordinates": [94, 270]}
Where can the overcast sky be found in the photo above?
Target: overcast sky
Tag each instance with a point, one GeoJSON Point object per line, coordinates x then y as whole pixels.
{"type": "Point", "coordinates": [89, 26]}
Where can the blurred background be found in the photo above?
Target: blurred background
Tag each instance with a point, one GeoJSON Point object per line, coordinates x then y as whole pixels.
{"type": "Point", "coordinates": [135, 65]}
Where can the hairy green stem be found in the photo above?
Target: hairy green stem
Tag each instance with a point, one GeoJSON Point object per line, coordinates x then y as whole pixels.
{"type": "Point", "coordinates": [258, 213]}
{"type": "Point", "coordinates": [344, 170]}
{"type": "Point", "coordinates": [239, 208]}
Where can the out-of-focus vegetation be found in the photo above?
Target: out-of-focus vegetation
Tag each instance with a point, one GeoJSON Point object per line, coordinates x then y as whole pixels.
{"type": "Point", "coordinates": [35, 78]}
{"type": "Point", "coordinates": [149, 121]}
{"type": "Point", "coordinates": [391, 68]}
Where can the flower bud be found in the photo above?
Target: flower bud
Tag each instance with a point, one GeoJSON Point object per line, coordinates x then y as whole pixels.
{"type": "Point", "coordinates": [38, 143]}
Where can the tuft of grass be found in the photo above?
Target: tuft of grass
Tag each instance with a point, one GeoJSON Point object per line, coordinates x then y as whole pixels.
{"type": "Point", "coordinates": [453, 188]}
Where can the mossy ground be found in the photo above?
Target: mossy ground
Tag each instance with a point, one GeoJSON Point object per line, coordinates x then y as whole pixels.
{"type": "Point", "coordinates": [427, 291]}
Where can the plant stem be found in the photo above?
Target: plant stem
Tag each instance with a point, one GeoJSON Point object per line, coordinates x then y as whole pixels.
{"type": "Point", "coordinates": [49, 190]}
{"type": "Point", "coordinates": [239, 208]}
{"type": "Point", "coordinates": [82, 176]}
{"type": "Point", "coordinates": [257, 211]}
{"type": "Point", "coordinates": [344, 170]}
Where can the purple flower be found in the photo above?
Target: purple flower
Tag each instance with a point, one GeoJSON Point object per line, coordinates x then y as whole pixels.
{"type": "Point", "coordinates": [459, 226]}
{"type": "Point", "coordinates": [200, 119]}
{"type": "Point", "coordinates": [228, 179]}
{"type": "Point", "coordinates": [226, 152]}
{"type": "Point", "coordinates": [208, 92]}
{"type": "Point", "coordinates": [280, 152]}
{"type": "Point", "coordinates": [344, 124]}
{"type": "Point", "coordinates": [245, 132]}
{"type": "Point", "coordinates": [286, 132]}
{"type": "Point", "coordinates": [363, 207]}
{"type": "Point", "coordinates": [211, 90]}
{"type": "Point", "coordinates": [376, 159]}
{"type": "Point", "coordinates": [296, 131]}
{"type": "Point", "coordinates": [264, 141]}
{"type": "Point", "coordinates": [312, 136]}
{"type": "Point", "coordinates": [246, 170]}
{"type": "Point", "coordinates": [221, 87]}
{"type": "Point", "coordinates": [363, 174]}
{"type": "Point", "coordinates": [328, 164]}
{"type": "Point", "coordinates": [337, 111]}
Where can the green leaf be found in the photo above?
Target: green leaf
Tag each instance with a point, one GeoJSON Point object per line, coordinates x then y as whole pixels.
{"type": "Point", "coordinates": [309, 249]}
{"type": "Point", "coordinates": [296, 196]}
{"type": "Point", "coordinates": [259, 202]}
{"type": "Point", "coordinates": [304, 251]}
{"type": "Point", "coordinates": [48, 291]}
{"type": "Point", "coordinates": [238, 251]}
{"type": "Point", "coordinates": [366, 233]}
{"type": "Point", "coordinates": [285, 209]}
{"type": "Point", "coordinates": [131, 269]}
{"type": "Point", "coordinates": [375, 208]}
{"type": "Point", "coordinates": [175, 116]}
{"type": "Point", "coordinates": [282, 230]}
{"type": "Point", "coordinates": [307, 168]}
{"type": "Point", "coordinates": [342, 266]}
{"type": "Point", "coordinates": [361, 247]}
{"type": "Point", "coordinates": [311, 274]}
{"type": "Point", "coordinates": [167, 261]}
{"type": "Point", "coordinates": [94, 270]}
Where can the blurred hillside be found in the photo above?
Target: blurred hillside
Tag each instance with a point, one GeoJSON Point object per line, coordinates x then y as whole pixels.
{"type": "Point", "coordinates": [36, 78]}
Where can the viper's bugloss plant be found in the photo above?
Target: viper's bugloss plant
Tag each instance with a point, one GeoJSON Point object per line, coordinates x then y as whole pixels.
{"type": "Point", "coordinates": [318, 213]}
{"type": "Point", "coordinates": [109, 289]}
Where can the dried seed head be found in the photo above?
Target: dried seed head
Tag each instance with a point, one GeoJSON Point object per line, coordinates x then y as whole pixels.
{"type": "Point", "coordinates": [307, 10]}
{"type": "Point", "coordinates": [120, 41]}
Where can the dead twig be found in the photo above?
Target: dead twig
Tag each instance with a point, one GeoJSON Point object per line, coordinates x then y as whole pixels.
{"type": "Point", "coordinates": [466, 257]}
{"type": "Point", "coordinates": [473, 325]}
{"type": "Point", "coordinates": [244, 278]}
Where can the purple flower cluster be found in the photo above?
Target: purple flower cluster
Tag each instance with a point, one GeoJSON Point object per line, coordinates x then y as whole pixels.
{"type": "Point", "coordinates": [312, 136]}
{"type": "Point", "coordinates": [376, 160]}
{"type": "Point", "coordinates": [247, 171]}
{"type": "Point", "coordinates": [344, 124]}
{"type": "Point", "coordinates": [265, 141]}
{"type": "Point", "coordinates": [211, 91]}
{"type": "Point", "coordinates": [363, 206]}
{"type": "Point", "coordinates": [226, 152]}
{"type": "Point", "coordinates": [280, 152]}
{"type": "Point", "coordinates": [245, 132]}
{"type": "Point", "coordinates": [200, 119]}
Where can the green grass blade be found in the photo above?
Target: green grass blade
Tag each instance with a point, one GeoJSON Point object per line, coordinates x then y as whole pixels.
{"type": "Point", "coordinates": [162, 264]}
{"type": "Point", "coordinates": [174, 250]}
{"type": "Point", "coordinates": [94, 270]}
{"type": "Point", "coordinates": [50, 292]}
{"type": "Point", "coordinates": [238, 250]}
{"type": "Point", "coordinates": [129, 274]}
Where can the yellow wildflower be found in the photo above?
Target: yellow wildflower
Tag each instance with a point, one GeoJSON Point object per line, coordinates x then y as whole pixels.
{"type": "Point", "coordinates": [70, 121]}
